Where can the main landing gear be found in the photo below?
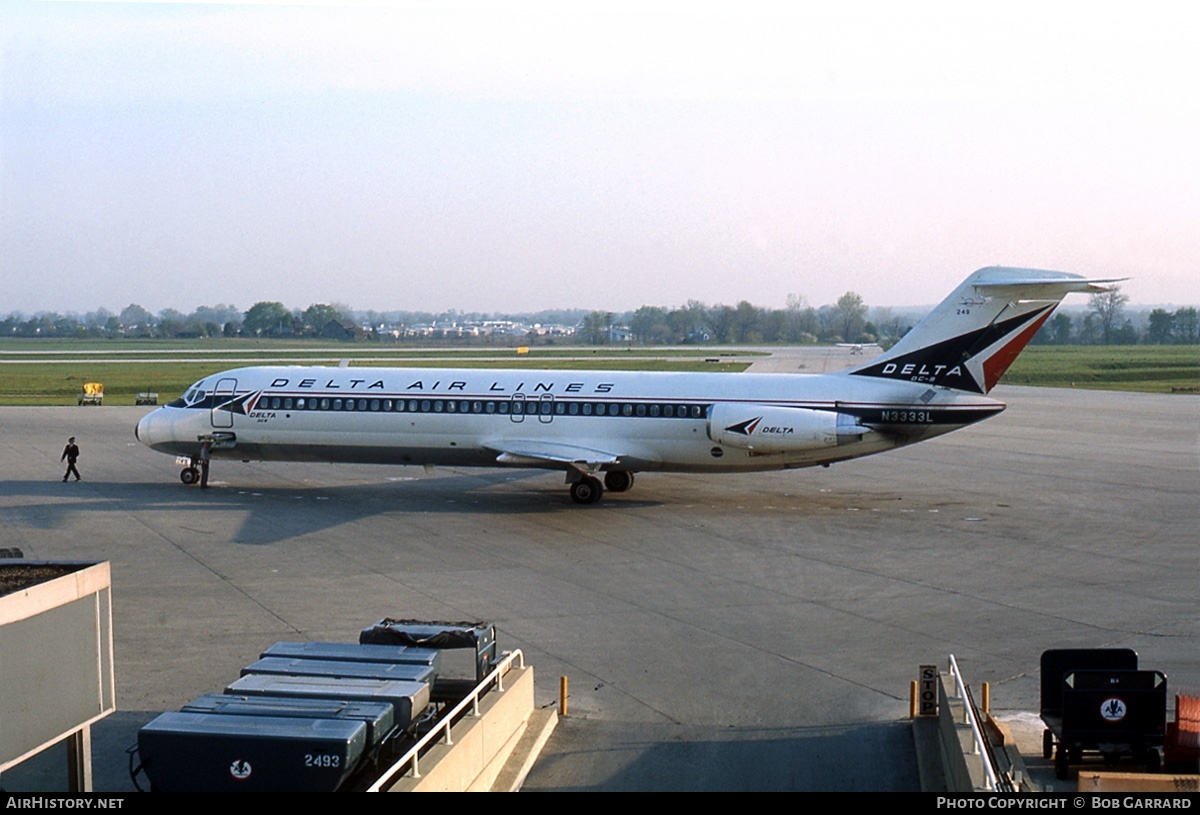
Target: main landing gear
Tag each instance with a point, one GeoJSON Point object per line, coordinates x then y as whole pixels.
{"type": "Point", "coordinates": [587, 489]}
{"type": "Point", "coordinates": [618, 480]}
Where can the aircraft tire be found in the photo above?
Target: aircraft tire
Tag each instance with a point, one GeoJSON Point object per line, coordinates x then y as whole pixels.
{"type": "Point", "coordinates": [189, 475]}
{"type": "Point", "coordinates": [586, 490]}
{"type": "Point", "coordinates": [1047, 744]}
{"type": "Point", "coordinates": [618, 481]}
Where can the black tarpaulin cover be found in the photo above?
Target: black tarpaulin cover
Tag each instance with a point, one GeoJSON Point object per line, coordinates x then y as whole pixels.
{"type": "Point", "coordinates": [423, 633]}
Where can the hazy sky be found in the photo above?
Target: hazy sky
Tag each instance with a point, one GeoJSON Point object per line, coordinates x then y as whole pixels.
{"type": "Point", "coordinates": [513, 156]}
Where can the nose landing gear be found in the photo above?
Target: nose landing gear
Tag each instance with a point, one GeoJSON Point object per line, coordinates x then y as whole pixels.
{"type": "Point", "coordinates": [191, 473]}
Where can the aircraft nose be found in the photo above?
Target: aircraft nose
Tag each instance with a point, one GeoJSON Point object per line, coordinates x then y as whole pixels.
{"type": "Point", "coordinates": [143, 431]}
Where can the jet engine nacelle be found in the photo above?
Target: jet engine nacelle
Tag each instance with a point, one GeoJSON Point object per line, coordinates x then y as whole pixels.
{"type": "Point", "coordinates": [768, 429]}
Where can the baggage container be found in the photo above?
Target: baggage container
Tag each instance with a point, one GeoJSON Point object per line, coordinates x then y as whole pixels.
{"type": "Point", "coordinates": [206, 752]}
{"type": "Point", "coordinates": [380, 717]}
{"type": "Point", "coordinates": [1095, 701]}
{"type": "Point", "coordinates": [352, 652]}
{"type": "Point", "coordinates": [409, 699]}
{"type": "Point", "coordinates": [338, 669]}
{"type": "Point", "coordinates": [478, 637]}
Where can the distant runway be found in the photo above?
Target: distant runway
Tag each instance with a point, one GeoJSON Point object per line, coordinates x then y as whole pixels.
{"type": "Point", "coordinates": [719, 632]}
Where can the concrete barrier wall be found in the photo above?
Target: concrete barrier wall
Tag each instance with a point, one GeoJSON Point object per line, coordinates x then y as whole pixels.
{"type": "Point", "coordinates": [482, 745]}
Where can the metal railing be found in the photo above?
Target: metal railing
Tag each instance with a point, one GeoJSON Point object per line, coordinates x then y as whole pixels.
{"type": "Point", "coordinates": [443, 729]}
{"type": "Point", "coordinates": [979, 746]}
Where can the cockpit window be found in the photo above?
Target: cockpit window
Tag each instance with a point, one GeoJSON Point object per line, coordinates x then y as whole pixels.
{"type": "Point", "coordinates": [191, 397]}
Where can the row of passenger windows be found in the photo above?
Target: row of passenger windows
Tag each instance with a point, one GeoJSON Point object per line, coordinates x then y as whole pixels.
{"type": "Point", "coordinates": [530, 407]}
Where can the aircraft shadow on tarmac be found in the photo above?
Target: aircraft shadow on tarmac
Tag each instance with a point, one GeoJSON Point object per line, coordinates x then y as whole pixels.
{"type": "Point", "coordinates": [278, 512]}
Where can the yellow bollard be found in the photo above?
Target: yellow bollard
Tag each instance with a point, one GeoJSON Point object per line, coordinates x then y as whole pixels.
{"type": "Point", "coordinates": [912, 699]}
{"type": "Point", "coordinates": [562, 696]}
{"type": "Point", "coordinates": [987, 698]}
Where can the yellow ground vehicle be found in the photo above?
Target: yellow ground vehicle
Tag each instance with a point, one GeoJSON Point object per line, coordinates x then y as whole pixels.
{"type": "Point", "coordinates": [93, 394]}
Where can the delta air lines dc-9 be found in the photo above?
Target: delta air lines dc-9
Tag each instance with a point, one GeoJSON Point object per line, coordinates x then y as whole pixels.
{"type": "Point", "coordinates": [603, 427]}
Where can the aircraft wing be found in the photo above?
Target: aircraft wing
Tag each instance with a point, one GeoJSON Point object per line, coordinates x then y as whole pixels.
{"type": "Point", "coordinates": [550, 454]}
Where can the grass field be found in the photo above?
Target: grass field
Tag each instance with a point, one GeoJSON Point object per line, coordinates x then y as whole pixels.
{"type": "Point", "coordinates": [56, 376]}
{"type": "Point", "coordinates": [1144, 368]}
{"type": "Point", "coordinates": [53, 373]}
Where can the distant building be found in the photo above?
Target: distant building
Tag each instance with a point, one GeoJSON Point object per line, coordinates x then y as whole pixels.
{"type": "Point", "coordinates": [340, 330]}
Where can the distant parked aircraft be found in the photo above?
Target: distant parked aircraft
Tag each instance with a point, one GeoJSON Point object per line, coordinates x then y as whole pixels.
{"type": "Point", "coordinates": [857, 347]}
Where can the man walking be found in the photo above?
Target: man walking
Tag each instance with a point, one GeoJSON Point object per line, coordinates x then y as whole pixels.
{"type": "Point", "coordinates": [70, 455]}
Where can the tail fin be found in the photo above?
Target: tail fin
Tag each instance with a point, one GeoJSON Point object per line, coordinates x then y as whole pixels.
{"type": "Point", "coordinates": [968, 341]}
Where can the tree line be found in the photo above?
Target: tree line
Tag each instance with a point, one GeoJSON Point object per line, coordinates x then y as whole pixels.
{"type": "Point", "coordinates": [847, 320]}
{"type": "Point", "coordinates": [1106, 322]}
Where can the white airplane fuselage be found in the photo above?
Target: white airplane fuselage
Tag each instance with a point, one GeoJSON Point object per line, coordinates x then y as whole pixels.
{"type": "Point", "coordinates": [467, 417]}
{"type": "Point", "coordinates": [615, 424]}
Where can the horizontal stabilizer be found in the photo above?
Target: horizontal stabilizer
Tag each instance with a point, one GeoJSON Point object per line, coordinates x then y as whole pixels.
{"type": "Point", "coordinates": [1041, 289]}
